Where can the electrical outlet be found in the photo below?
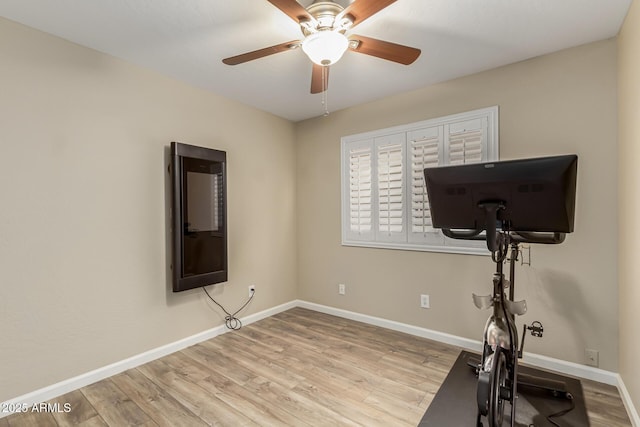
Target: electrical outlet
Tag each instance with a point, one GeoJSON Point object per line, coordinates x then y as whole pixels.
{"type": "Point", "coordinates": [252, 290]}
{"type": "Point", "coordinates": [591, 356]}
{"type": "Point", "coordinates": [424, 301]}
{"type": "Point", "coordinates": [342, 289]}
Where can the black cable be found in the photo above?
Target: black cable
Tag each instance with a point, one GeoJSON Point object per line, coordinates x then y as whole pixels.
{"type": "Point", "coordinates": [560, 413]}
{"type": "Point", "coordinates": [563, 412]}
{"type": "Point", "coordinates": [230, 320]}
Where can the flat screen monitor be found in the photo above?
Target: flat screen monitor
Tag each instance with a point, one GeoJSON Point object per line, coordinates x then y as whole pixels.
{"type": "Point", "coordinates": [538, 194]}
{"type": "Point", "coordinates": [199, 223]}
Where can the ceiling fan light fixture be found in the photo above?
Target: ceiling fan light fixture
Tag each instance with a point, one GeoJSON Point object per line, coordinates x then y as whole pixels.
{"type": "Point", "coordinates": [325, 47]}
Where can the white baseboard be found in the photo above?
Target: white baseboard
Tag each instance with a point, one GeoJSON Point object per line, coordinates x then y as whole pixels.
{"type": "Point", "coordinates": [628, 403]}
{"type": "Point", "coordinates": [91, 377]}
{"type": "Point", "coordinates": [531, 359]}
{"type": "Point", "coordinates": [395, 326]}
{"type": "Point", "coordinates": [71, 384]}
{"type": "Point", "coordinates": [571, 368]}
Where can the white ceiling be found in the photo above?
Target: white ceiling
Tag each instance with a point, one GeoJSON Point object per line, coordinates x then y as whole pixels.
{"type": "Point", "coordinates": [187, 39]}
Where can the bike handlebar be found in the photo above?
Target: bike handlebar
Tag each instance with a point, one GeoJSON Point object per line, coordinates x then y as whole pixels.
{"type": "Point", "coordinates": [550, 238]}
{"type": "Point", "coordinates": [547, 238]}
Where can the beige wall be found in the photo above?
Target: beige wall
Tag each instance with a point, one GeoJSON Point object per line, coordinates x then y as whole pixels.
{"type": "Point", "coordinates": [629, 199]}
{"type": "Point", "coordinates": [83, 140]}
{"type": "Point", "coordinates": [83, 229]}
{"type": "Point", "coordinates": [555, 104]}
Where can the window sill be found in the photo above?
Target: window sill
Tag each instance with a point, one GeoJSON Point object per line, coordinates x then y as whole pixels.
{"type": "Point", "coordinates": [420, 248]}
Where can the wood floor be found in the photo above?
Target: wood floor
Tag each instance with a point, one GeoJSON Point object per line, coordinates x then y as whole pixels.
{"type": "Point", "coordinates": [297, 368]}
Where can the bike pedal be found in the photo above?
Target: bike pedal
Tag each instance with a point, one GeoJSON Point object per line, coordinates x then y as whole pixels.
{"type": "Point", "coordinates": [474, 364]}
{"type": "Point", "coordinates": [536, 329]}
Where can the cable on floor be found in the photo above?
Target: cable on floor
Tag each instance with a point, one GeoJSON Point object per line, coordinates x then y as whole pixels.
{"type": "Point", "coordinates": [560, 413]}
{"type": "Point", "coordinates": [563, 412]}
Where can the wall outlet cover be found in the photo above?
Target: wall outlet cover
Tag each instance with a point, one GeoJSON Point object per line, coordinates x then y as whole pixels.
{"type": "Point", "coordinates": [424, 301]}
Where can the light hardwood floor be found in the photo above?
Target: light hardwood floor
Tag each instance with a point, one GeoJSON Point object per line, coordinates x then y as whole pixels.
{"type": "Point", "coordinates": [296, 368]}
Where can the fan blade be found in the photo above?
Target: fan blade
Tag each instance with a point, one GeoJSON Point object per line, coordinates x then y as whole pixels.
{"type": "Point", "coordinates": [250, 56]}
{"type": "Point", "coordinates": [362, 9]}
{"type": "Point", "coordinates": [293, 9]}
{"type": "Point", "coordinates": [385, 50]}
{"type": "Point", "coordinates": [318, 74]}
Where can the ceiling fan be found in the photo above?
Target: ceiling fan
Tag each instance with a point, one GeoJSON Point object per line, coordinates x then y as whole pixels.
{"type": "Point", "coordinates": [324, 24]}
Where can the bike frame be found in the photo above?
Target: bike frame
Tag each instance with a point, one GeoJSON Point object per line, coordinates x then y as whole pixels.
{"type": "Point", "coordinates": [498, 369]}
{"type": "Point", "coordinates": [498, 377]}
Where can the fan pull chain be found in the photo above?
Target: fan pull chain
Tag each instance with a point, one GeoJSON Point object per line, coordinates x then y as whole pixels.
{"type": "Point", "coordinates": [325, 95]}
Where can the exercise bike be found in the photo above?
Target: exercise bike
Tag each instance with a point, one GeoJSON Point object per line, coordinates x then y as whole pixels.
{"type": "Point", "coordinates": [505, 203]}
{"type": "Point", "coordinates": [497, 370]}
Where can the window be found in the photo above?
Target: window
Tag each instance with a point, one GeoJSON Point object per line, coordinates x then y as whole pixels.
{"type": "Point", "coordinates": [384, 199]}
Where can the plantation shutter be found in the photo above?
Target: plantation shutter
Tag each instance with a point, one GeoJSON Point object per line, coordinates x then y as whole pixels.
{"type": "Point", "coordinates": [390, 183]}
{"type": "Point", "coordinates": [467, 142]}
{"type": "Point", "coordinates": [360, 197]}
{"type": "Point", "coordinates": [384, 198]}
{"type": "Point", "coordinates": [425, 149]}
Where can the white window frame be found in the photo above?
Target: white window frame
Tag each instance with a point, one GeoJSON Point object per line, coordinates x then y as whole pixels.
{"type": "Point", "coordinates": [406, 239]}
